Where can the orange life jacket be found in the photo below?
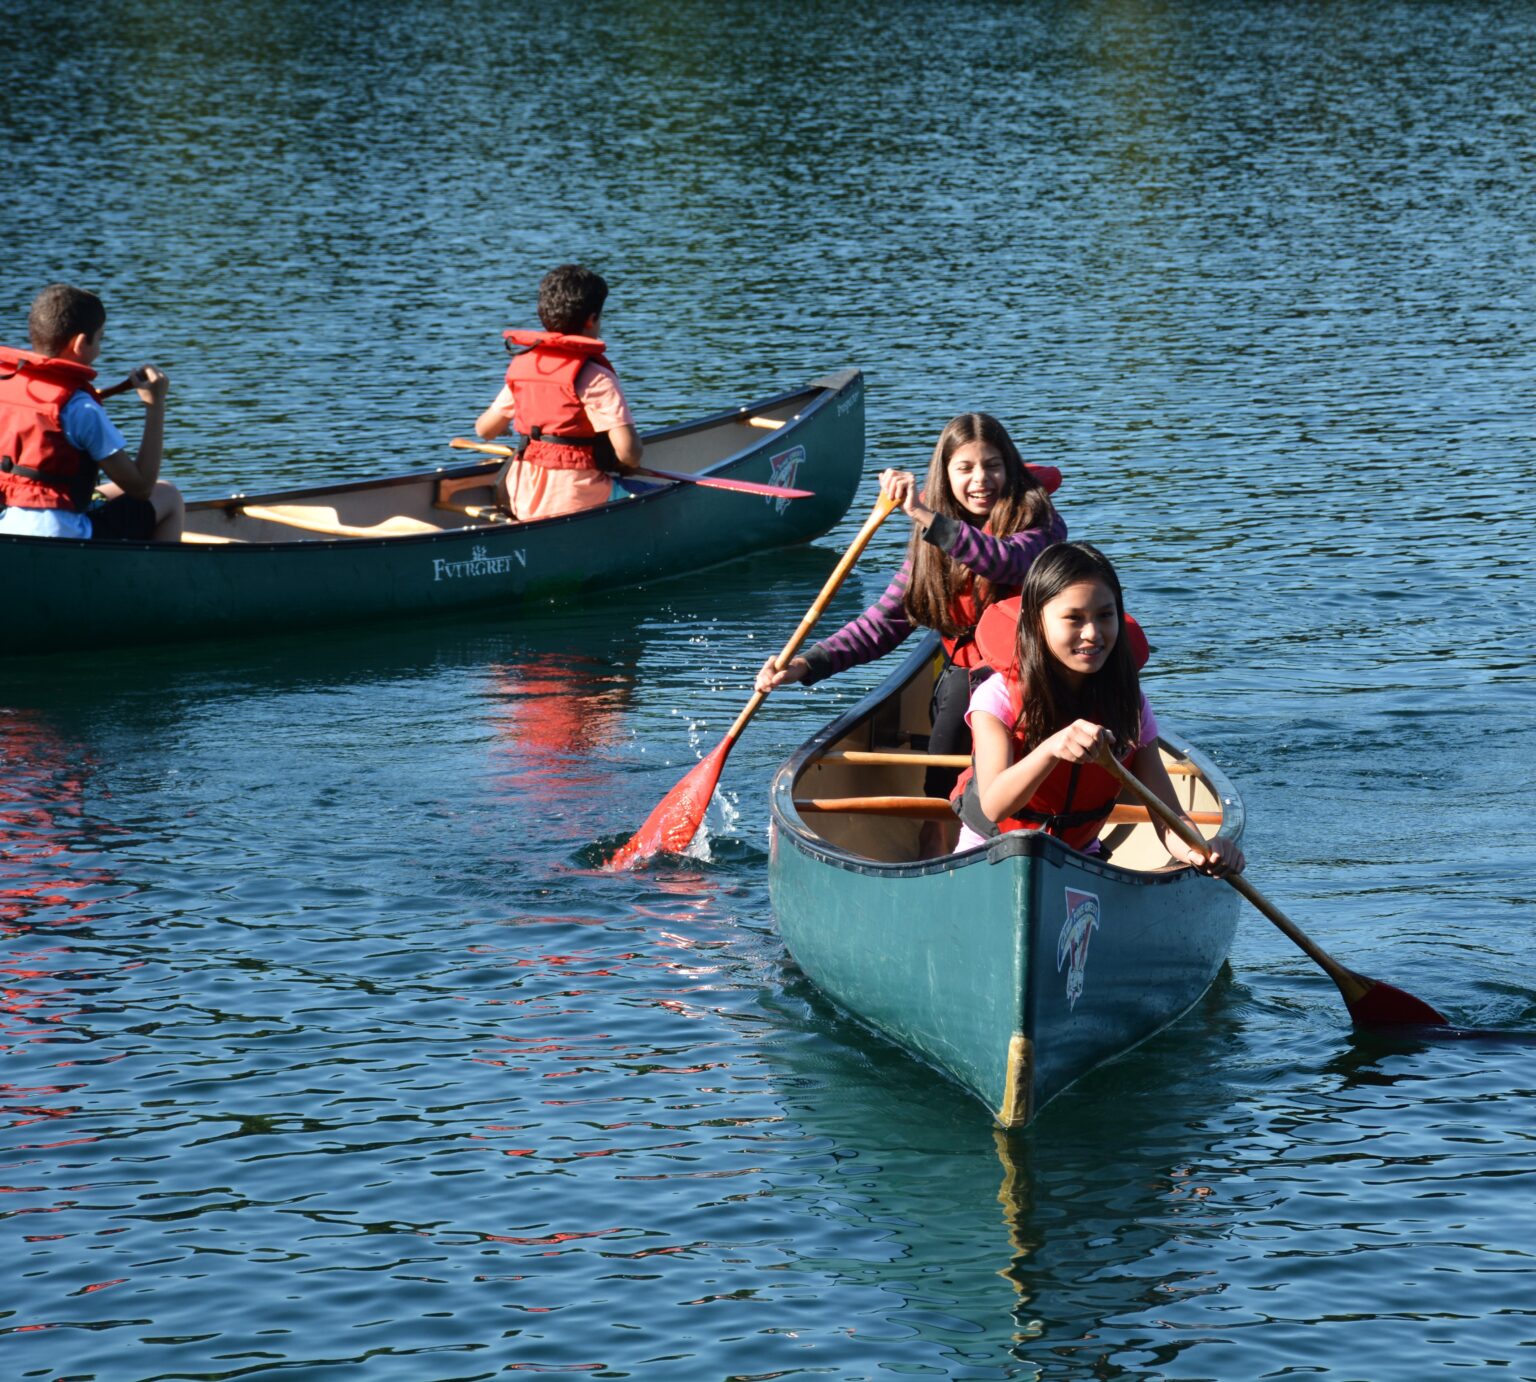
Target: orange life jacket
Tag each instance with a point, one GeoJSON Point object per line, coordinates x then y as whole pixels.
{"type": "Point", "coordinates": [1075, 798]}
{"type": "Point", "coordinates": [39, 467]}
{"type": "Point", "coordinates": [960, 649]}
{"type": "Point", "coordinates": [553, 429]}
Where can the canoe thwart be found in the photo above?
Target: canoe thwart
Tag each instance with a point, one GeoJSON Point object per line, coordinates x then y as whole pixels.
{"type": "Point", "coordinates": [894, 758]}
{"type": "Point", "coordinates": [771, 424]}
{"type": "Point", "coordinates": [938, 808]}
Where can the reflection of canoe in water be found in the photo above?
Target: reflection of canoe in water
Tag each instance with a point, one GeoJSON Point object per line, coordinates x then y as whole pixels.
{"type": "Point", "coordinates": [412, 545]}
{"type": "Point", "coordinates": [1015, 968]}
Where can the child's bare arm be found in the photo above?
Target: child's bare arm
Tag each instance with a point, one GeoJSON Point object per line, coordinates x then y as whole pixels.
{"type": "Point", "coordinates": [137, 476]}
{"type": "Point", "coordinates": [627, 446]}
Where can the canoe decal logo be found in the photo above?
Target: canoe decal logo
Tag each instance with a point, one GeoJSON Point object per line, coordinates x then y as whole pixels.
{"type": "Point", "coordinates": [1072, 945]}
{"type": "Point", "coordinates": [478, 565]}
{"type": "Point", "coordinates": [786, 466]}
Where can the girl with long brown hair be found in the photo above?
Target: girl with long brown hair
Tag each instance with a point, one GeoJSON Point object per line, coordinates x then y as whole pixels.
{"type": "Point", "coordinates": [978, 521]}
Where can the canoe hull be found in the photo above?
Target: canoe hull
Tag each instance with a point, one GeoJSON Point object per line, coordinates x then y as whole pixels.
{"type": "Point", "coordinates": [1014, 969]}
{"type": "Point", "coordinates": [69, 594]}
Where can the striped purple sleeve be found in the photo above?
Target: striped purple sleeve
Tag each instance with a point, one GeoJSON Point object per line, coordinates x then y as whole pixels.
{"type": "Point", "coordinates": [873, 634]}
{"type": "Point", "coordinates": [884, 625]}
{"type": "Point", "coordinates": [1001, 560]}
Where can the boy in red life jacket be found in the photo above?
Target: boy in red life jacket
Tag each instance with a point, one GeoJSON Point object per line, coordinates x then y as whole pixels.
{"type": "Point", "coordinates": [1037, 724]}
{"type": "Point", "coordinates": [563, 403]}
{"type": "Point", "coordinates": [56, 439]}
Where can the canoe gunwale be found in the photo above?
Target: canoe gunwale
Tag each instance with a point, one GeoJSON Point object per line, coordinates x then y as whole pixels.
{"type": "Point", "coordinates": [1013, 844]}
{"type": "Point", "coordinates": [820, 391]}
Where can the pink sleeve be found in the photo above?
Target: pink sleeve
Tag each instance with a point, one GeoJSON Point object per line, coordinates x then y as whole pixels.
{"type": "Point", "coordinates": [600, 394]}
{"type": "Point", "coordinates": [503, 403]}
{"type": "Point", "coordinates": [1148, 722]}
{"type": "Point", "coordinates": [992, 697]}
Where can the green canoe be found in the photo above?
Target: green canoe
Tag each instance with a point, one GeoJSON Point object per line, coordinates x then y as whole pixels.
{"type": "Point", "coordinates": [1014, 968]}
{"type": "Point", "coordinates": [415, 545]}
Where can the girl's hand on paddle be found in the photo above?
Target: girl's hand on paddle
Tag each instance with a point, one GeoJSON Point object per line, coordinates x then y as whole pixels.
{"type": "Point", "coordinates": [1224, 857]}
{"type": "Point", "coordinates": [1078, 742]}
{"type": "Point", "coordinates": [769, 678]}
{"type": "Point", "coordinates": [903, 488]}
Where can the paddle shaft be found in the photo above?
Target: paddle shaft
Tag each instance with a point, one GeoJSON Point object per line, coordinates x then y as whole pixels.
{"type": "Point", "coordinates": [122, 386]}
{"type": "Point", "coordinates": [884, 505]}
{"type": "Point", "coordinates": [1350, 984]}
{"type": "Point", "coordinates": [491, 448]}
{"type": "Point", "coordinates": [679, 814]}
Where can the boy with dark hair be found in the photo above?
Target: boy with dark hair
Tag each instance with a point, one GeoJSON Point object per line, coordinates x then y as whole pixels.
{"type": "Point", "coordinates": [56, 438]}
{"type": "Point", "coordinates": [563, 403]}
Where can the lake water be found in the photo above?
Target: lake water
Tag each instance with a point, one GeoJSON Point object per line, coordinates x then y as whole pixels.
{"type": "Point", "coordinates": [327, 1054]}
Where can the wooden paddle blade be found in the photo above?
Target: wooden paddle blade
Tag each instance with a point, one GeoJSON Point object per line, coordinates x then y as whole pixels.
{"type": "Point", "coordinates": [1381, 1005]}
{"type": "Point", "coordinates": [676, 819]}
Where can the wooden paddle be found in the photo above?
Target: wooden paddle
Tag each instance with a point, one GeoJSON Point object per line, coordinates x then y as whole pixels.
{"type": "Point", "coordinates": [122, 386]}
{"type": "Point", "coordinates": [676, 819]}
{"type": "Point", "coordinates": [707, 481]}
{"type": "Point", "coordinates": [1371, 1003]}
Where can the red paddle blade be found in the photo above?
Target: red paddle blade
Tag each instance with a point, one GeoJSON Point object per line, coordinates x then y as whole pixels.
{"type": "Point", "coordinates": [1381, 1005]}
{"type": "Point", "coordinates": [721, 482]}
{"type": "Point", "coordinates": [677, 818]}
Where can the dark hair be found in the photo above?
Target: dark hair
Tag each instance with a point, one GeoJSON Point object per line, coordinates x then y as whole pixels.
{"type": "Point", "coordinates": [569, 296]}
{"type": "Point", "coordinates": [1111, 696]}
{"type": "Point", "coordinates": [936, 578]}
{"type": "Point", "coordinates": [59, 314]}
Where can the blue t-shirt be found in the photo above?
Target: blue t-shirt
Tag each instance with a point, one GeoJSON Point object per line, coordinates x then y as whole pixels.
{"type": "Point", "coordinates": [87, 427]}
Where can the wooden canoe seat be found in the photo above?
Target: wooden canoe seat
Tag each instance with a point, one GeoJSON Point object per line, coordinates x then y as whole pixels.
{"type": "Point", "coordinates": [209, 537]}
{"type": "Point", "coordinates": [446, 492]}
{"type": "Point", "coordinates": [321, 518]}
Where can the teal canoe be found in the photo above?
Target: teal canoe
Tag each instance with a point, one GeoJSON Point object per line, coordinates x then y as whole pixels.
{"type": "Point", "coordinates": [426, 543]}
{"type": "Point", "coordinates": [1014, 968]}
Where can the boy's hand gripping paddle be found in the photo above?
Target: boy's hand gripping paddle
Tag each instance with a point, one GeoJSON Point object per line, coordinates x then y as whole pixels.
{"type": "Point", "coordinates": [676, 819]}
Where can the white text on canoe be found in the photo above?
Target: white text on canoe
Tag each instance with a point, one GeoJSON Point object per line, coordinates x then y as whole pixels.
{"type": "Point", "coordinates": [478, 565]}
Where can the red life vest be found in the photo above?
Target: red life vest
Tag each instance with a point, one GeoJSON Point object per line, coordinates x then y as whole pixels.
{"type": "Point", "coordinates": [553, 429]}
{"type": "Point", "coordinates": [39, 467]}
{"type": "Point", "coordinates": [960, 648]}
{"type": "Point", "coordinates": [1075, 798]}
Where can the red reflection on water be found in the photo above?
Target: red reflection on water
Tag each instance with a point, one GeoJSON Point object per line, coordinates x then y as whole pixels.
{"type": "Point", "coordinates": [551, 713]}
{"type": "Point", "coordinates": [43, 779]}
{"type": "Point", "coordinates": [46, 837]}
{"type": "Point", "coordinates": [549, 1239]}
